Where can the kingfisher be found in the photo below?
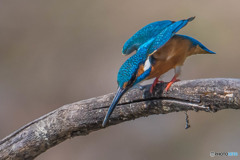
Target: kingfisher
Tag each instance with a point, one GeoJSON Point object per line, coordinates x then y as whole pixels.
{"type": "Point", "coordinates": [158, 49]}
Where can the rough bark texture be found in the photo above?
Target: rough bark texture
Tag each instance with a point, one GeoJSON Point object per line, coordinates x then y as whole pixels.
{"type": "Point", "coordinates": [83, 117]}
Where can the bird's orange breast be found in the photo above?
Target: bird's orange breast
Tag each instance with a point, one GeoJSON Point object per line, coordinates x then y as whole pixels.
{"type": "Point", "coordinates": [172, 54]}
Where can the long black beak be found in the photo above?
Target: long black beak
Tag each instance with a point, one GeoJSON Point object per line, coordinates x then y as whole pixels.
{"type": "Point", "coordinates": [116, 99]}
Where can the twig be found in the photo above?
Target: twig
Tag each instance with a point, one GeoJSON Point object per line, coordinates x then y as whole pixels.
{"type": "Point", "coordinates": [85, 116]}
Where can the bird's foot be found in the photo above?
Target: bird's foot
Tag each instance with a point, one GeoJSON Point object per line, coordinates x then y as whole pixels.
{"type": "Point", "coordinates": [155, 82]}
{"type": "Point", "coordinates": [171, 82]}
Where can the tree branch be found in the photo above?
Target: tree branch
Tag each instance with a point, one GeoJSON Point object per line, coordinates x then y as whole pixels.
{"type": "Point", "coordinates": [83, 117]}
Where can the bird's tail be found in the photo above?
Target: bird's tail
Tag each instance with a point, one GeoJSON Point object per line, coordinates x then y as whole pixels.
{"type": "Point", "coordinates": [116, 99]}
{"type": "Point", "coordinates": [200, 48]}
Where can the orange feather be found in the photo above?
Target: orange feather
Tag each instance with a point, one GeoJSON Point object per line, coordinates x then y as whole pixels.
{"type": "Point", "coordinates": [172, 54]}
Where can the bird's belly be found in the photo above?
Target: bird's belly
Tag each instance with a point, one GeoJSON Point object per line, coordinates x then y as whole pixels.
{"type": "Point", "coordinates": [158, 71]}
{"type": "Point", "coordinates": [161, 67]}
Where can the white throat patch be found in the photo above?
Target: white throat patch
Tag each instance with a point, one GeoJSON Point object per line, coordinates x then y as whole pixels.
{"type": "Point", "coordinates": [147, 64]}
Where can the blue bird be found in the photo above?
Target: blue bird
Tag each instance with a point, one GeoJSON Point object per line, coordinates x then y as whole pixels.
{"type": "Point", "coordinates": [155, 55]}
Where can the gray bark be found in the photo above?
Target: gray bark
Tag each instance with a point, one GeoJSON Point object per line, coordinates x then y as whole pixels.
{"type": "Point", "coordinates": [83, 117]}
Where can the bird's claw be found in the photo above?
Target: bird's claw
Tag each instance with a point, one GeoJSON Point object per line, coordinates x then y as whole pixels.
{"type": "Point", "coordinates": [156, 81]}
{"type": "Point", "coordinates": [170, 84]}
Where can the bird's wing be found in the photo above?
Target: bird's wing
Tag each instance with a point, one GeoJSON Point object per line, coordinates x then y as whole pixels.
{"type": "Point", "coordinates": [143, 35]}
{"type": "Point", "coordinates": [167, 34]}
{"type": "Point", "coordinates": [196, 43]}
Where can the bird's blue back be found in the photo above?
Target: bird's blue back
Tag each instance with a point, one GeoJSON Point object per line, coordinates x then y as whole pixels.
{"type": "Point", "coordinates": [167, 34]}
{"type": "Point", "coordinates": [162, 31]}
{"type": "Point", "coordinates": [143, 35]}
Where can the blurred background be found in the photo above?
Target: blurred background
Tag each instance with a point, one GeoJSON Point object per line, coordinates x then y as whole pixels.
{"type": "Point", "coordinates": [57, 52]}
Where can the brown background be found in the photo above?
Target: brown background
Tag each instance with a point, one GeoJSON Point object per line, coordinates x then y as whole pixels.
{"type": "Point", "coordinates": [58, 52]}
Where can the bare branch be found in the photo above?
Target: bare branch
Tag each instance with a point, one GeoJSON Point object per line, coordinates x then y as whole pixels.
{"type": "Point", "coordinates": [85, 116]}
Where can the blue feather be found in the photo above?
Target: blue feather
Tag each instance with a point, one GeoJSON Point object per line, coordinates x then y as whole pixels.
{"type": "Point", "coordinates": [143, 76]}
